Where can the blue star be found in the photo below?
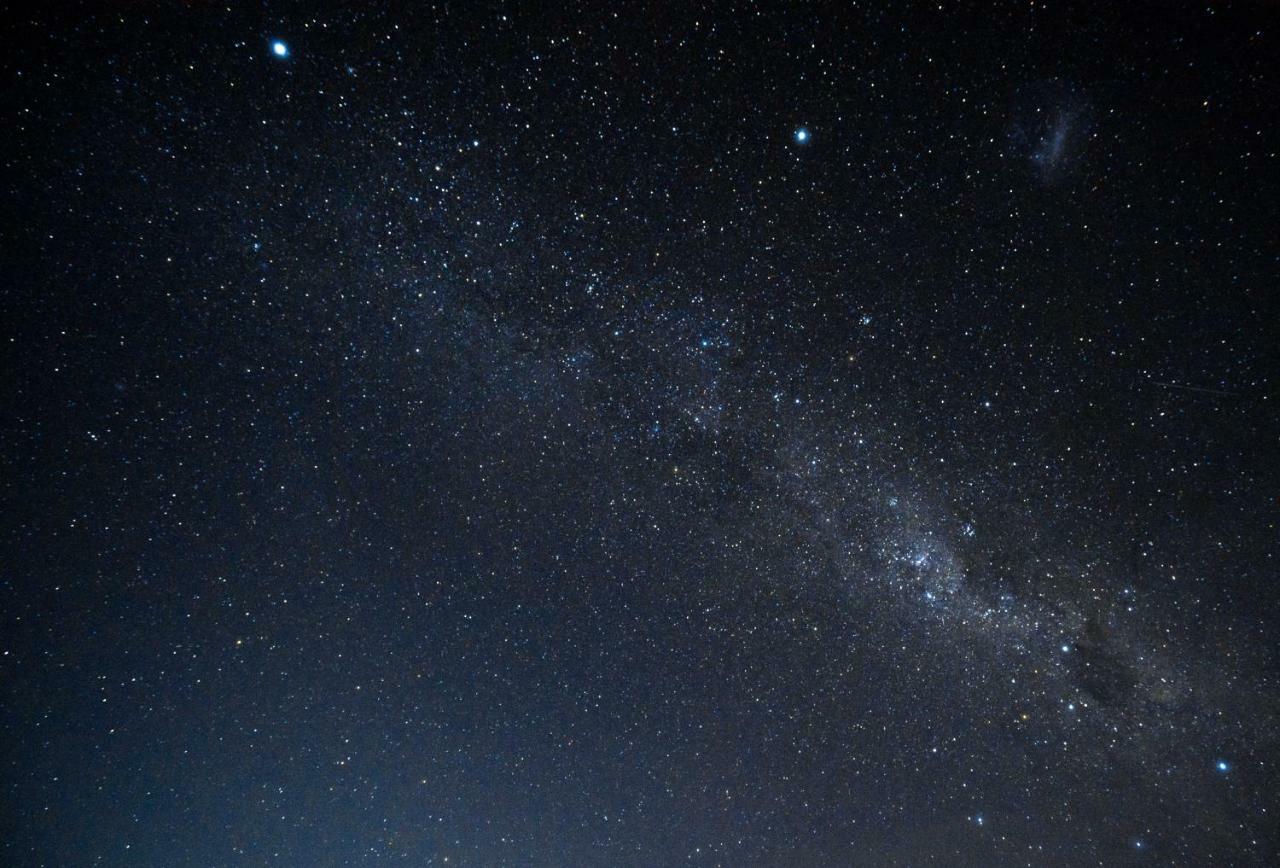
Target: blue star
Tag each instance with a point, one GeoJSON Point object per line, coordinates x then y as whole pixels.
{"type": "Point", "coordinates": [279, 49]}
{"type": "Point", "coordinates": [1222, 766]}
{"type": "Point", "coordinates": [802, 135]}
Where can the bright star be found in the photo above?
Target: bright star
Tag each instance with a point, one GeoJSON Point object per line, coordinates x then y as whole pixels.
{"type": "Point", "coordinates": [802, 135]}
{"type": "Point", "coordinates": [1223, 766]}
{"type": "Point", "coordinates": [279, 49]}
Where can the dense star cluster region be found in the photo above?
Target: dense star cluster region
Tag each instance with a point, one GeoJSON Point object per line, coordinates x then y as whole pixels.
{"type": "Point", "coordinates": [581, 435]}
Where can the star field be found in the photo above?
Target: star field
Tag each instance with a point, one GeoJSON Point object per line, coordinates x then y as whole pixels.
{"type": "Point", "coordinates": [583, 435]}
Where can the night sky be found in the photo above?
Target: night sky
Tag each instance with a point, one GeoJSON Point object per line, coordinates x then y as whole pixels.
{"type": "Point", "coordinates": [597, 435]}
